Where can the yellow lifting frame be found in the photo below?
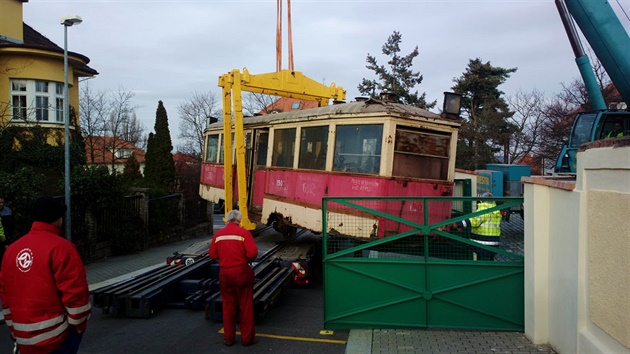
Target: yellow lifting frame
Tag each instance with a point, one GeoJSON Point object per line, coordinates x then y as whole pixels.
{"type": "Point", "coordinates": [286, 83]}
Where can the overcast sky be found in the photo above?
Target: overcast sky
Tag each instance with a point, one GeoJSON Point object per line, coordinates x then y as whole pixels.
{"type": "Point", "coordinates": [167, 50]}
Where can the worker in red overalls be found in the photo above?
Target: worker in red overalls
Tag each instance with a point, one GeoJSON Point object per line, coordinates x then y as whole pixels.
{"type": "Point", "coordinates": [234, 247]}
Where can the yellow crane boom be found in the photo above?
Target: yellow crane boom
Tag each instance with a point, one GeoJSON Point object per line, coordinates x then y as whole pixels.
{"type": "Point", "coordinates": [286, 83]}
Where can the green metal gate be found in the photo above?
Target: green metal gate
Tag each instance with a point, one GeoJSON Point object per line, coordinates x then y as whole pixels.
{"type": "Point", "coordinates": [400, 263]}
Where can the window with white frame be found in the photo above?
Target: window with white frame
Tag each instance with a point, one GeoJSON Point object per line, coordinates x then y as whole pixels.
{"type": "Point", "coordinates": [37, 100]}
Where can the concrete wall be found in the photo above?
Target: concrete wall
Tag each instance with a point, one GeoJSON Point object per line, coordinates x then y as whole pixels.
{"type": "Point", "coordinates": [577, 247]}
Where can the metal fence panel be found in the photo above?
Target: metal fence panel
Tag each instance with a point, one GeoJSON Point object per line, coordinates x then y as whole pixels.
{"type": "Point", "coordinates": [398, 262]}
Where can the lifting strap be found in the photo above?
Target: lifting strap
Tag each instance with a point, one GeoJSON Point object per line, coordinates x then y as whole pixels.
{"type": "Point", "coordinates": [279, 35]}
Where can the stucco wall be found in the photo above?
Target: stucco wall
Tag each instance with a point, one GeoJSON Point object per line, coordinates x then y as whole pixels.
{"type": "Point", "coordinates": [47, 66]}
{"type": "Point", "coordinates": [551, 264]}
{"type": "Point", "coordinates": [604, 180]}
{"type": "Point", "coordinates": [577, 240]}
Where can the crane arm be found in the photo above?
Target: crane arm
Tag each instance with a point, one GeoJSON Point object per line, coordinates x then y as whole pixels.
{"type": "Point", "coordinates": [604, 32]}
{"type": "Point", "coordinates": [287, 83]}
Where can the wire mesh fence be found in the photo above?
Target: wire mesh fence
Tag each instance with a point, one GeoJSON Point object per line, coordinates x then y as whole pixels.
{"type": "Point", "coordinates": [444, 228]}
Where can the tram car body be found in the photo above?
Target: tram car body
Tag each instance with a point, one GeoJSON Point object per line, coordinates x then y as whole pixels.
{"type": "Point", "coordinates": [364, 148]}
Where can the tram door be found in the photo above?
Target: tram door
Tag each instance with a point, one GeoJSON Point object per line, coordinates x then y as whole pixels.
{"type": "Point", "coordinates": [257, 170]}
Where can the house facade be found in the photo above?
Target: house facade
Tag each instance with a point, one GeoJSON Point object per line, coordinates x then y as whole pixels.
{"type": "Point", "coordinates": [287, 104]}
{"type": "Point", "coordinates": [112, 152]}
{"type": "Point", "coordinates": [32, 75]}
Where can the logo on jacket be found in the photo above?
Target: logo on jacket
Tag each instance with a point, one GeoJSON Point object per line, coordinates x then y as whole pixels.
{"type": "Point", "coordinates": [24, 260]}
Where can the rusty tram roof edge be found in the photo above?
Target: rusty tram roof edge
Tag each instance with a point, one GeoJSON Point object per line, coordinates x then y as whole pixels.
{"type": "Point", "coordinates": [344, 110]}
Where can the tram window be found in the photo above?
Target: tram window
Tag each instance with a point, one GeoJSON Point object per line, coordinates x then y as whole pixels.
{"type": "Point", "coordinates": [222, 150]}
{"type": "Point", "coordinates": [212, 149]}
{"type": "Point", "coordinates": [313, 146]}
{"type": "Point", "coordinates": [248, 147]}
{"type": "Point", "coordinates": [358, 148]}
{"type": "Point", "coordinates": [421, 154]}
{"type": "Point", "coordinates": [283, 147]}
{"type": "Point", "coordinates": [263, 141]}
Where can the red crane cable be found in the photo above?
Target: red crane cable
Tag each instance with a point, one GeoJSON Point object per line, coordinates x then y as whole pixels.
{"type": "Point", "coordinates": [290, 39]}
{"type": "Point", "coordinates": [279, 35]}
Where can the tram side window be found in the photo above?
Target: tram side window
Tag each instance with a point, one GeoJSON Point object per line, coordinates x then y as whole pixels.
{"type": "Point", "coordinates": [421, 154]}
{"type": "Point", "coordinates": [261, 157]}
{"type": "Point", "coordinates": [222, 149]}
{"type": "Point", "coordinates": [358, 148]}
{"type": "Point", "coordinates": [313, 146]}
{"type": "Point", "coordinates": [212, 149]}
{"type": "Point", "coordinates": [248, 148]}
{"type": "Point", "coordinates": [283, 147]}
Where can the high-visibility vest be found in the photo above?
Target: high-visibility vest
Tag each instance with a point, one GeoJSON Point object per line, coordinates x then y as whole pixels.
{"type": "Point", "coordinates": [611, 134]}
{"type": "Point", "coordinates": [487, 224]}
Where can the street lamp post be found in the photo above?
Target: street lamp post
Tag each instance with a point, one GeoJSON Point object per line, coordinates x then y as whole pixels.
{"type": "Point", "coordinates": [67, 21]}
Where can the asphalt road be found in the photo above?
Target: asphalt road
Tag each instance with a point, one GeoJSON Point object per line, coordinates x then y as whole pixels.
{"type": "Point", "coordinates": [293, 325]}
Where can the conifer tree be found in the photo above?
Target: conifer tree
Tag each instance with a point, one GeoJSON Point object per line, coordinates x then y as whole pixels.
{"type": "Point", "coordinates": [131, 169]}
{"type": "Point", "coordinates": [399, 79]}
{"type": "Point", "coordinates": [159, 170]}
{"type": "Point", "coordinates": [484, 130]}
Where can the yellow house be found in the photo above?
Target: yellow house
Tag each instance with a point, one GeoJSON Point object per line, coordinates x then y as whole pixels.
{"type": "Point", "coordinates": [32, 75]}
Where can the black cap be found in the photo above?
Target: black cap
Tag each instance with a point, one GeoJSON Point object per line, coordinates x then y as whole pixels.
{"type": "Point", "coordinates": [48, 210]}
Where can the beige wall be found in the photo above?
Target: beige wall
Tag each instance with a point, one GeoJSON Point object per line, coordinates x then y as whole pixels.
{"type": "Point", "coordinates": [577, 240]}
{"type": "Point", "coordinates": [11, 20]}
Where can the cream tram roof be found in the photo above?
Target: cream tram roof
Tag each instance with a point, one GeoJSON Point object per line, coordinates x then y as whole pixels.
{"type": "Point", "coordinates": [360, 109]}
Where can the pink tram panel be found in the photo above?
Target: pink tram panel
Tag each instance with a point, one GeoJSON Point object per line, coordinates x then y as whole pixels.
{"type": "Point", "coordinates": [307, 188]}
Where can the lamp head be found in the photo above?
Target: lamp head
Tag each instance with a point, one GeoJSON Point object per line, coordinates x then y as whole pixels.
{"type": "Point", "coordinates": [452, 105]}
{"type": "Point", "coordinates": [71, 20]}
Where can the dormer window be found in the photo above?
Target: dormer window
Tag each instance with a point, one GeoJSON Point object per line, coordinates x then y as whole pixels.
{"type": "Point", "coordinates": [123, 154]}
{"type": "Point", "coordinates": [295, 105]}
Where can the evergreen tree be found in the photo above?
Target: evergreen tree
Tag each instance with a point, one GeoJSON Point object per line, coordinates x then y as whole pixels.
{"type": "Point", "coordinates": [159, 169]}
{"type": "Point", "coordinates": [485, 130]}
{"type": "Point", "coordinates": [131, 170]}
{"type": "Point", "coordinates": [399, 79]}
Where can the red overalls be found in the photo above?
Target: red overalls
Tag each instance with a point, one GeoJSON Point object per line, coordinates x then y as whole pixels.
{"type": "Point", "coordinates": [234, 246]}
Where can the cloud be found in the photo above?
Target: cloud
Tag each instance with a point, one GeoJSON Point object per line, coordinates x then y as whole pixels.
{"type": "Point", "coordinates": [167, 50]}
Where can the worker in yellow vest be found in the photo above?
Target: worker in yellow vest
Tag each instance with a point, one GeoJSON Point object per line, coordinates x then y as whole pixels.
{"type": "Point", "coordinates": [485, 229]}
{"type": "Point", "coordinates": [617, 132]}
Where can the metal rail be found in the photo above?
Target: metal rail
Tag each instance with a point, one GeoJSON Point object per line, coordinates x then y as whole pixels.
{"type": "Point", "coordinates": [193, 286]}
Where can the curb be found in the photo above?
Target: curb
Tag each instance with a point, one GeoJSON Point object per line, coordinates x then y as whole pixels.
{"type": "Point", "coordinates": [96, 286]}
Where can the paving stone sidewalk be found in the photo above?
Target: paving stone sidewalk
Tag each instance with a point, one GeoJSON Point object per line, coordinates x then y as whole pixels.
{"type": "Point", "coordinates": [388, 341]}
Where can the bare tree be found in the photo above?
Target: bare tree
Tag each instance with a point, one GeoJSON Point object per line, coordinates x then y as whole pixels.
{"type": "Point", "coordinates": [527, 123]}
{"type": "Point", "coordinates": [575, 93]}
{"type": "Point", "coordinates": [121, 124]}
{"type": "Point", "coordinates": [194, 115]}
{"type": "Point", "coordinates": [559, 116]}
{"type": "Point", "coordinates": [253, 103]}
{"type": "Point", "coordinates": [108, 119]}
{"type": "Point", "coordinates": [560, 112]}
{"type": "Point", "coordinates": [133, 131]}
{"type": "Point", "coordinates": [94, 107]}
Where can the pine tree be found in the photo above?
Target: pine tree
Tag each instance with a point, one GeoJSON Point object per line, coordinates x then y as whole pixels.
{"type": "Point", "coordinates": [485, 130]}
{"type": "Point", "coordinates": [400, 79]}
{"type": "Point", "coordinates": [159, 170]}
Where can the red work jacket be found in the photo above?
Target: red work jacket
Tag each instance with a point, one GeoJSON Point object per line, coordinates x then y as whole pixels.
{"type": "Point", "coordinates": [233, 246]}
{"type": "Point", "coordinates": [44, 289]}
